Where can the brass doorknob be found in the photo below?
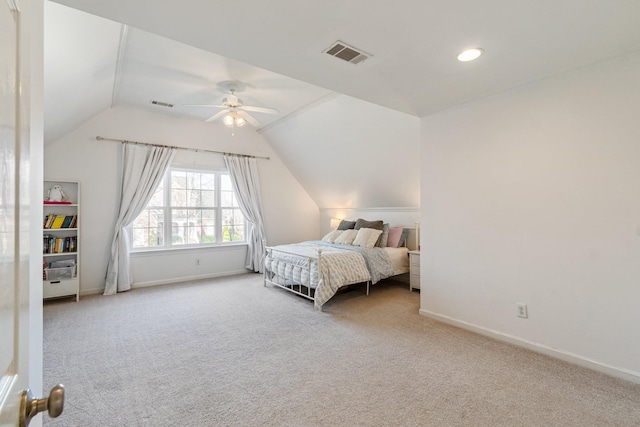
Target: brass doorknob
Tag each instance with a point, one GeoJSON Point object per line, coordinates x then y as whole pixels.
{"type": "Point", "coordinates": [31, 406]}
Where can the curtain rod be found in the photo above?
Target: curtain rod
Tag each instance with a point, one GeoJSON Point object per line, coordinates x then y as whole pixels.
{"type": "Point", "coordinates": [124, 141]}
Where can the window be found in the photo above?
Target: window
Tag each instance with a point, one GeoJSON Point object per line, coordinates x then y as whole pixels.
{"type": "Point", "coordinates": [190, 208]}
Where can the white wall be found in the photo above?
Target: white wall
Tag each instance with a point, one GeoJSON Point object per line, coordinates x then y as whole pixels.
{"type": "Point", "coordinates": [533, 196]}
{"type": "Point", "coordinates": [290, 214]}
{"type": "Point", "coordinates": [349, 153]}
{"type": "Point", "coordinates": [394, 216]}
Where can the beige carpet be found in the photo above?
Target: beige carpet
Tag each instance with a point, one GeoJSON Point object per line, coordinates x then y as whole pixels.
{"type": "Point", "coordinates": [230, 352]}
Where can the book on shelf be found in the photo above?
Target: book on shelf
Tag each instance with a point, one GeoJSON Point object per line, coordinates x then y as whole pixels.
{"type": "Point", "coordinates": [67, 221]}
{"type": "Point", "coordinates": [57, 245]}
{"type": "Point", "coordinates": [58, 221]}
{"type": "Point", "coordinates": [49, 220]}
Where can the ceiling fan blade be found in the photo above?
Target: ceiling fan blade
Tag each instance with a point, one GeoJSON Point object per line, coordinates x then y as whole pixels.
{"type": "Point", "coordinates": [216, 115]}
{"type": "Point", "coordinates": [203, 105]}
{"type": "Point", "coordinates": [260, 109]}
{"type": "Point", "coordinates": [248, 117]}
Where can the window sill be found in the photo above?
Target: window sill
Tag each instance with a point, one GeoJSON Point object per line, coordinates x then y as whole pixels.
{"type": "Point", "coordinates": [167, 251]}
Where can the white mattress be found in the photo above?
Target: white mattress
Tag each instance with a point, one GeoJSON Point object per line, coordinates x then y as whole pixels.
{"type": "Point", "coordinates": [399, 259]}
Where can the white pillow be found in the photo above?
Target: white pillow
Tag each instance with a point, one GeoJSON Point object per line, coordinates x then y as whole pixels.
{"type": "Point", "coordinates": [367, 237]}
{"type": "Point", "coordinates": [332, 236]}
{"type": "Point", "coordinates": [347, 237]}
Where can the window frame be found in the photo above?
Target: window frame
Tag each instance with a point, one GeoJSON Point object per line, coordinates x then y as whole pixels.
{"type": "Point", "coordinates": [168, 215]}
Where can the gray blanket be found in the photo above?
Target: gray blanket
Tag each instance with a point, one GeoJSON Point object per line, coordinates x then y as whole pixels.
{"type": "Point", "coordinates": [377, 260]}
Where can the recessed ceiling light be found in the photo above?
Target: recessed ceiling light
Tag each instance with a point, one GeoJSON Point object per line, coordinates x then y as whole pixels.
{"type": "Point", "coordinates": [470, 54]}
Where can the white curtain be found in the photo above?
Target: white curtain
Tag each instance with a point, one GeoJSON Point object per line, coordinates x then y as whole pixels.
{"type": "Point", "coordinates": [246, 184]}
{"type": "Point", "coordinates": [143, 168]}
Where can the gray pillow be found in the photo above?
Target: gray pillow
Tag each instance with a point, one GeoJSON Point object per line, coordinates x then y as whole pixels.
{"type": "Point", "coordinates": [382, 240]}
{"type": "Point", "coordinates": [362, 223]}
{"type": "Point", "coordinates": [346, 225]}
{"type": "Point", "coordinates": [403, 237]}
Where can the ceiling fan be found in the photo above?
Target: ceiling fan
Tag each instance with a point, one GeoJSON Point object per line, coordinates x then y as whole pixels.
{"type": "Point", "coordinates": [235, 112]}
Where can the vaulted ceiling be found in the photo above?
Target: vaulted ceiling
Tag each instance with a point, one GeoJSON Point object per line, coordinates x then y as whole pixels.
{"type": "Point", "coordinates": [92, 63]}
{"type": "Point", "coordinates": [101, 54]}
{"type": "Point", "coordinates": [413, 43]}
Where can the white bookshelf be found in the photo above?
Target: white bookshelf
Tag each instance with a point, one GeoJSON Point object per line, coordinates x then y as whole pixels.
{"type": "Point", "coordinates": [61, 245]}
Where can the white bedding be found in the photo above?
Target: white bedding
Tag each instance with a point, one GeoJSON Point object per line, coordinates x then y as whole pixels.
{"type": "Point", "coordinates": [340, 267]}
{"type": "Point", "coordinates": [399, 259]}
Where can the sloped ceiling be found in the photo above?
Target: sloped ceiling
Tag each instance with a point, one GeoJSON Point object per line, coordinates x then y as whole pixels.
{"type": "Point", "coordinates": [92, 63]}
{"type": "Point", "coordinates": [361, 156]}
{"type": "Point", "coordinates": [340, 147]}
{"type": "Point", "coordinates": [79, 70]}
{"type": "Point", "coordinates": [414, 43]}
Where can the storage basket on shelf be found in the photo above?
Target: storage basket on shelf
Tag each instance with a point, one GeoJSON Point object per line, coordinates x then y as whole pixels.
{"type": "Point", "coordinates": [60, 273]}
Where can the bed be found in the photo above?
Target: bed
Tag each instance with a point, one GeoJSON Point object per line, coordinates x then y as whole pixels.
{"type": "Point", "coordinates": [317, 269]}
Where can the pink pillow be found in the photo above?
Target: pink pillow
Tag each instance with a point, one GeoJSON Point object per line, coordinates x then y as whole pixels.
{"type": "Point", "coordinates": [395, 233]}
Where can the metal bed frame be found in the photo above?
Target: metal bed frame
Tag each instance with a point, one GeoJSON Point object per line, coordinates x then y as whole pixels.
{"type": "Point", "coordinates": [303, 289]}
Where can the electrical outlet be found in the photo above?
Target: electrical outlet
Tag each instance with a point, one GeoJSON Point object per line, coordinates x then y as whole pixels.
{"type": "Point", "coordinates": [522, 310]}
{"type": "Point", "coordinates": [197, 261]}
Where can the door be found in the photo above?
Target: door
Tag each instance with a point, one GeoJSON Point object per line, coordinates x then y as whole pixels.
{"type": "Point", "coordinates": [15, 170]}
{"type": "Point", "coordinates": [14, 280]}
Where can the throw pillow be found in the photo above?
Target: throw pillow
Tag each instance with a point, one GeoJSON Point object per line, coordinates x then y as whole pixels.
{"type": "Point", "coordinates": [332, 236]}
{"type": "Point", "coordinates": [367, 237]}
{"type": "Point", "coordinates": [363, 223]}
{"type": "Point", "coordinates": [346, 225]}
{"type": "Point", "coordinates": [347, 237]}
{"type": "Point", "coordinates": [395, 233]}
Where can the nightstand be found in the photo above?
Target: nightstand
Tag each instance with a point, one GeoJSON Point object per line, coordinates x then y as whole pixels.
{"type": "Point", "coordinates": [414, 270]}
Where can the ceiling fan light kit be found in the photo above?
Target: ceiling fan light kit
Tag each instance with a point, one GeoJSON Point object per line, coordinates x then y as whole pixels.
{"type": "Point", "coordinates": [232, 119]}
{"type": "Point", "coordinates": [235, 113]}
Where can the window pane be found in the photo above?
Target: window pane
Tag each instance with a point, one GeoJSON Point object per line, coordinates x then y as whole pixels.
{"type": "Point", "coordinates": [193, 180]}
{"type": "Point", "coordinates": [193, 189]}
{"type": "Point", "coordinates": [148, 229]}
{"type": "Point", "coordinates": [208, 181]}
{"type": "Point", "coordinates": [238, 218]}
{"type": "Point", "coordinates": [208, 198]}
{"type": "Point", "coordinates": [194, 199]}
{"type": "Point", "coordinates": [226, 199]}
{"type": "Point", "coordinates": [196, 217]}
{"type": "Point", "coordinates": [178, 179]}
{"type": "Point", "coordinates": [178, 197]}
{"type": "Point", "coordinates": [208, 226]}
{"type": "Point", "coordinates": [179, 220]}
{"type": "Point", "coordinates": [232, 225]}
{"type": "Point", "coordinates": [193, 226]}
{"type": "Point", "coordinates": [140, 237]}
{"type": "Point", "coordinates": [225, 183]}
{"type": "Point", "coordinates": [178, 188]}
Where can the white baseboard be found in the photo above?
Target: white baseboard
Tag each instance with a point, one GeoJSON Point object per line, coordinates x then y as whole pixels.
{"type": "Point", "coordinates": [187, 278]}
{"type": "Point", "coordinates": [94, 291]}
{"type": "Point", "coordinates": [97, 291]}
{"type": "Point", "coordinates": [625, 374]}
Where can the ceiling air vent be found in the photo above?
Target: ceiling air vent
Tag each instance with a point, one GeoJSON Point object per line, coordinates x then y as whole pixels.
{"type": "Point", "coordinates": [347, 53]}
{"type": "Point", "coordinates": [162, 104]}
